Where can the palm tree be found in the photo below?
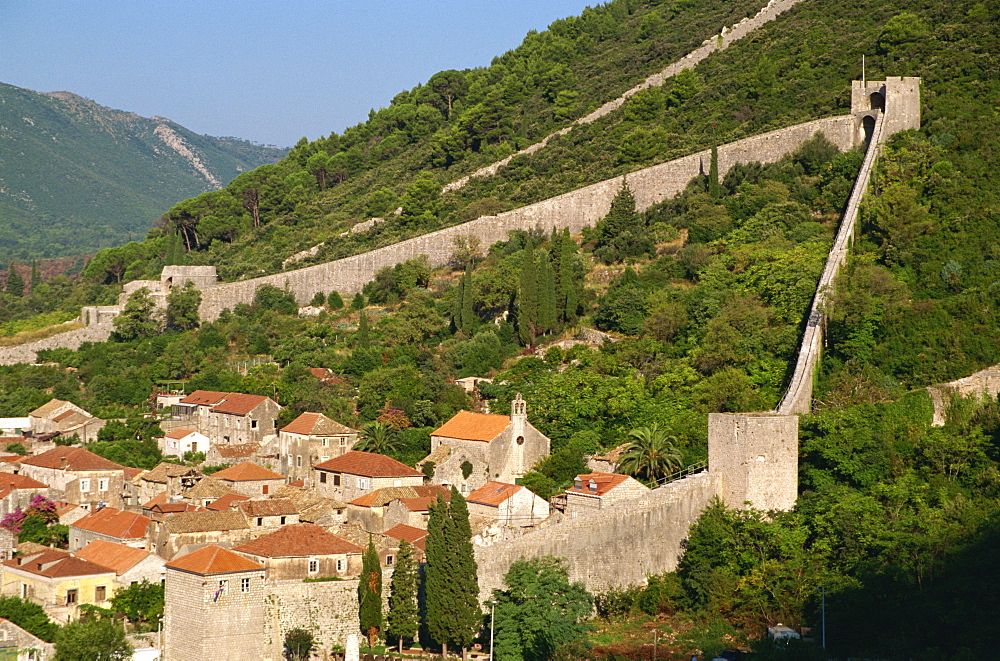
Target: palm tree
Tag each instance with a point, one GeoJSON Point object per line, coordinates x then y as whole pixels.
{"type": "Point", "coordinates": [377, 437]}
{"type": "Point", "coordinates": [652, 455]}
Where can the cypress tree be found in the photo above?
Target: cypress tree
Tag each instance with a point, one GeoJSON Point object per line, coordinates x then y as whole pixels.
{"type": "Point", "coordinates": [437, 605]}
{"type": "Point", "coordinates": [714, 189]}
{"type": "Point", "coordinates": [15, 283]}
{"type": "Point", "coordinates": [34, 274]}
{"type": "Point", "coordinates": [546, 295]}
{"type": "Point", "coordinates": [527, 299]}
{"type": "Point", "coordinates": [466, 583]}
{"type": "Point", "coordinates": [362, 339]}
{"type": "Point", "coordinates": [370, 594]}
{"type": "Point", "coordinates": [403, 621]}
{"type": "Point", "coordinates": [467, 314]}
{"type": "Point", "coordinates": [568, 300]}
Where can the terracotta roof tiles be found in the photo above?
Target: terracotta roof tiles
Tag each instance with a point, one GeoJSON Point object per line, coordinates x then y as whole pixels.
{"type": "Point", "coordinates": [114, 523]}
{"type": "Point", "coordinates": [469, 426]}
{"type": "Point", "coordinates": [317, 424]}
{"type": "Point", "coordinates": [246, 472]}
{"type": "Point", "coordinates": [603, 483]}
{"type": "Point", "coordinates": [225, 503]}
{"type": "Point", "coordinates": [301, 539]}
{"type": "Point", "coordinates": [241, 450]}
{"type": "Point", "coordinates": [180, 432]}
{"type": "Point", "coordinates": [53, 563]}
{"type": "Point", "coordinates": [385, 495]}
{"type": "Point", "coordinates": [9, 482]}
{"type": "Point", "coordinates": [493, 493]}
{"type": "Point", "coordinates": [207, 521]}
{"type": "Point", "coordinates": [116, 556]}
{"type": "Point", "coordinates": [76, 459]}
{"type": "Point", "coordinates": [237, 403]}
{"type": "Point", "coordinates": [272, 507]}
{"type": "Point", "coordinates": [204, 397]}
{"type": "Point", "coordinates": [414, 536]}
{"type": "Point", "coordinates": [213, 559]}
{"type": "Point", "coordinates": [368, 464]}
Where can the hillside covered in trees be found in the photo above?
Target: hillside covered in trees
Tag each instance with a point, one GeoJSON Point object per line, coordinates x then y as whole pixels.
{"type": "Point", "coordinates": [705, 295]}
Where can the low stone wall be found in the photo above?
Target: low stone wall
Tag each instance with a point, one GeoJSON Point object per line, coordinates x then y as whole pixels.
{"type": "Point", "coordinates": [575, 210]}
{"type": "Point", "coordinates": [984, 383]}
{"type": "Point", "coordinates": [614, 547]}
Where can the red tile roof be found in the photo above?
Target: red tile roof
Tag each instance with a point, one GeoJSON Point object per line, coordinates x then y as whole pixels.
{"type": "Point", "coordinates": [368, 464]}
{"type": "Point", "coordinates": [470, 426]}
{"type": "Point", "coordinates": [118, 557]}
{"type": "Point", "coordinates": [604, 483]}
{"type": "Point", "coordinates": [300, 539]}
{"type": "Point", "coordinates": [9, 481]}
{"type": "Point", "coordinates": [180, 432]}
{"type": "Point", "coordinates": [242, 450]}
{"type": "Point", "coordinates": [213, 559]}
{"type": "Point", "coordinates": [204, 397]}
{"type": "Point", "coordinates": [176, 508]}
{"type": "Point", "coordinates": [238, 403]}
{"type": "Point", "coordinates": [246, 472]}
{"type": "Point", "coordinates": [493, 493]}
{"type": "Point", "coordinates": [409, 533]}
{"type": "Point", "coordinates": [62, 416]}
{"type": "Point", "coordinates": [115, 523]}
{"type": "Point", "coordinates": [158, 499]}
{"type": "Point", "coordinates": [53, 563]}
{"type": "Point", "coordinates": [76, 459]}
{"type": "Point", "coordinates": [317, 424]}
{"type": "Point", "coordinates": [385, 495]}
{"type": "Point", "coordinates": [226, 502]}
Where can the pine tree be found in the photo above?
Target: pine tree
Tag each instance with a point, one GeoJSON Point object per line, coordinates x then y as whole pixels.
{"type": "Point", "coordinates": [546, 295]}
{"type": "Point", "coordinates": [527, 300]}
{"type": "Point", "coordinates": [403, 618]}
{"type": "Point", "coordinates": [370, 594]}
{"type": "Point", "coordinates": [15, 283]}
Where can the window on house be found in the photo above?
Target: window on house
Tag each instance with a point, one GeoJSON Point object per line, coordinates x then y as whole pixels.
{"type": "Point", "coordinates": [225, 438]}
{"type": "Point", "coordinates": [340, 566]}
{"type": "Point", "coordinates": [343, 442]}
{"type": "Point", "coordinates": [336, 480]}
{"type": "Point", "coordinates": [388, 560]}
{"type": "Point", "coordinates": [84, 484]}
{"type": "Point", "coordinates": [244, 585]}
{"type": "Point", "coordinates": [102, 484]}
{"type": "Point", "coordinates": [194, 446]}
{"type": "Point", "coordinates": [313, 566]}
{"type": "Point", "coordinates": [325, 442]}
{"type": "Point", "coordinates": [263, 489]}
{"type": "Point", "coordinates": [397, 483]}
{"type": "Point", "coordinates": [223, 589]}
{"type": "Point", "coordinates": [322, 478]}
{"type": "Point", "coordinates": [364, 483]}
{"type": "Point", "coordinates": [283, 520]}
{"type": "Point", "coordinates": [298, 461]}
{"type": "Point", "coordinates": [260, 520]}
{"type": "Point", "coordinates": [71, 597]}
{"type": "Point", "coordinates": [24, 590]}
{"type": "Point", "coordinates": [253, 424]}
{"type": "Point", "coordinates": [100, 593]}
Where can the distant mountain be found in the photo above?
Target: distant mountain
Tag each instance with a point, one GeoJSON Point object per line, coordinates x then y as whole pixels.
{"type": "Point", "coordinates": [76, 176]}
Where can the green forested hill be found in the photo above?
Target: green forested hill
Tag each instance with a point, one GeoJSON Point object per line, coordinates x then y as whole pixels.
{"type": "Point", "coordinates": [76, 176]}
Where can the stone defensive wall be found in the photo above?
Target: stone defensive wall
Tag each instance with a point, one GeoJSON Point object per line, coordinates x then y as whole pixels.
{"type": "Point", "coordinates": [575, 210]}
{"type": "Point", "coordinates": [26, 353]}
{"type": "Point", "coordinates": [711, 45]}
{"type": "Point", "coordinates": [327, 609]}
{"type": "Point", "coordinates": [984, 383]}
{"type": "Point", "coordinates": [614, 547]}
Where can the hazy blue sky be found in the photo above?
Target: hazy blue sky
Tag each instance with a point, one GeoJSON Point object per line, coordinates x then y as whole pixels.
{"type": "Point", "coordinates": [266, 71]}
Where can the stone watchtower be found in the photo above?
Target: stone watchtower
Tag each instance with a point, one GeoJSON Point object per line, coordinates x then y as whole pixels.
{"type": "Point", "coordinates": [754, 458]}
{"type": "Point", "coordinates": [898, 98]}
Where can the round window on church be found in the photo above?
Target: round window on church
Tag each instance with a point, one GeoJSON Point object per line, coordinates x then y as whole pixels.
{"type": "Point", "coordinates": [520, 440]}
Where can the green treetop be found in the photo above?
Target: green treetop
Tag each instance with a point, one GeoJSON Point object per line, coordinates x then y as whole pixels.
{"type": "Point", "coordinates": [370, 594]}
{"type": "Point", "coordinates": [403, 618]}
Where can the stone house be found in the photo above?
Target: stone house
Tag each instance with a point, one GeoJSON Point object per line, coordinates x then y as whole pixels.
{"type": "Point", "coordinates": [208, 490]}
{"type": "Point", "coordinates": [16, 644]}
{"type": "Point", "coordinates": [473, 448]}
{"type": "Point", "coordinates": [159, 508]}
{"type": "Point", "coordinates": [314, 508]}
{"type": "Point", "coordinates": [595, 491]}
{"type": "Point", "coordinates": [58, 581]}
{"type": "Point", "coordinates": [250, 479]}
{"type": "Point", "coordinates": [182, 533]}
{"type": "Point", "coordinates": [16, 492]}
{"type": "Point", "coordinates": [355, 473]}
{"type": "Point", "coordinates": [170, 479]}
{"type": "Point", "coordinates": [8, 544]}
{"type": "Point", "coordinates": [228, 502]}
{"type": "Point", "coordinates": [110, 524]}
{"type": "Point", "coordinates": [608, 461]}
{"type": "Point", "coordinates": [266, 516]}
{"type": "Point", "coordinates": [177, 442]}
{"type": "Point", "coordinates": [58, 417]}
{"type": "Point", "coordinates": [131, 565]}
{"type": "Point", "coordinates": [214, 606]}
{"type": "Point", "coordinates": [384, 508]}
{"type": "Point", "coordinates": [508, 504]}
{"type": "Point", "coordinates": [304, 550]}
{"type": "Point", "coordinates": [415, 536]}
{"type": "Point", "coordinates": [229, 418]}
{"type": "Point", "coordinates": [310, 439]}
{"type": "Point", "coordinates": [83, 477]}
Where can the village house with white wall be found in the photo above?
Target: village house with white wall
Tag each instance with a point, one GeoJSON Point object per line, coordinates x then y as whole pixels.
{"type": "Point", "coordinates": [310, 439]}
{"type": "Point", "coordinates": [228, 418]}
{"type": "Point", "coordinates": [356, 473]}
{"type": "Point", "coordinates": [82, 477]}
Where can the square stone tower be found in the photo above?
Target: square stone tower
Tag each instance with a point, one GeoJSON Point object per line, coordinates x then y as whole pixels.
{"type": "Point", "coordinates": [755, 457]}
{"type": "Point", "coordinates": [897, 97]}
